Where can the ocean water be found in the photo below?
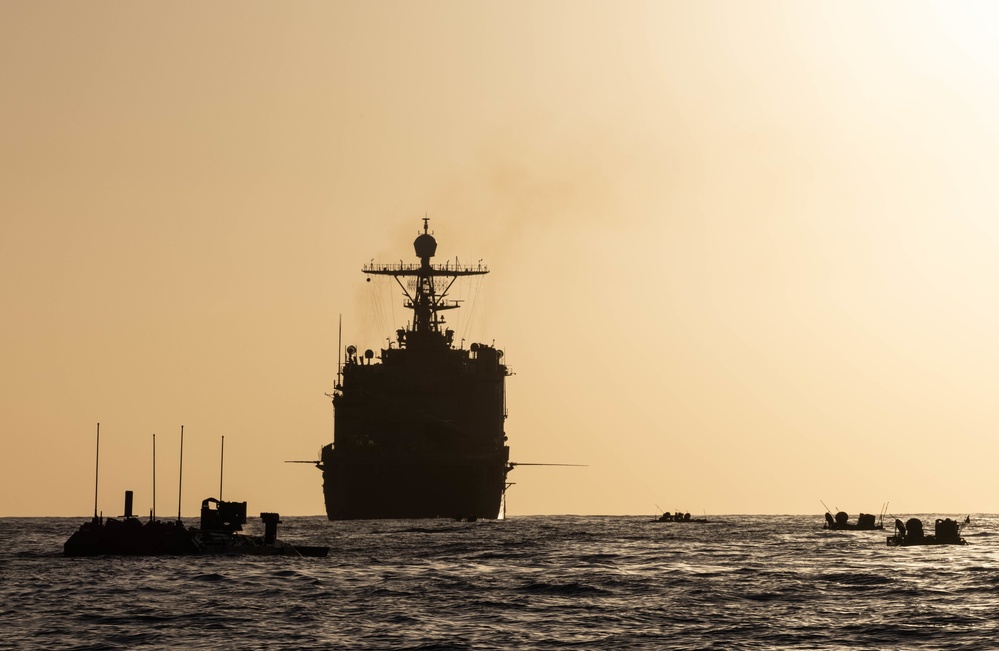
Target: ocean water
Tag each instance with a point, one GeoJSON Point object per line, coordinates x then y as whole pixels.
{"type": "Point", "coordinates": [540, 582]}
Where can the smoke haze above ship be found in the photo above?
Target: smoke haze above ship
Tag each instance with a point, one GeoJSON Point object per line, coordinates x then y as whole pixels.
{"type": "Point", "coordinates": [742, 256]}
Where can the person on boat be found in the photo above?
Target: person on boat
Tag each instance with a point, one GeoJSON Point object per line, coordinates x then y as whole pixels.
{"type": "Point", "coordinates": [914, 531]}
{"type": "Point", "coordinates": [947, 531]}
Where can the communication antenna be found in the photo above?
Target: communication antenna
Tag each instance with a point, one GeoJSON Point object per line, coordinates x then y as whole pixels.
{"type": "Point", "coordinates": [97, 468]}
{"type": "Point", "coordinates": [152, 516]}
{"type": "Point", "coordinates": [339, 351]}
{"type": "Point", "coordinates": [180, 482]}
{"type": "Point", "coordinates": [221, 467]}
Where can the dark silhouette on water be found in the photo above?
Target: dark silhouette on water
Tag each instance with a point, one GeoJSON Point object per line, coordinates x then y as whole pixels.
{"type": "Point", "coordinates": [418, 429]}
{"type": "Point", "coordinates": [679, 517]}
{"type": "Point", "coordinates": [217, 535]}
{"type": "Point", "coordinates": [945, 532]}
{"type": "Point", "coordinates": [130, 537]}
{"type": "Point", "coordinates": [865, 521]}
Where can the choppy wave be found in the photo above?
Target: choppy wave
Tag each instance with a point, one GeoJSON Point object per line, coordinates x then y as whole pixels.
{"type": "Point", "coordinates": [744, 582]}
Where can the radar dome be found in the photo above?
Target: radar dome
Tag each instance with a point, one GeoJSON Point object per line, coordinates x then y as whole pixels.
{"type": "Point", "coordinates": [425, 245]}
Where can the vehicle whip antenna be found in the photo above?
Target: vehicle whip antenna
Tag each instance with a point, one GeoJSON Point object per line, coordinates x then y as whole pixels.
{"type": "Point", "coordinates": [339, 351]}
{"type": "Point", "coordinates": [97, 468]}
{"type": "Point", "coordinates": [180, 482]}
{"type": "Point", "coordinates": [152, 516]}
{"type": "Point", "coordinates": [221, 466]}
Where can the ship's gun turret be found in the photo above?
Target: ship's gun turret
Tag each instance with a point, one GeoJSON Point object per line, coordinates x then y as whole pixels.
{"type": "Point", "coordinates": [226, 517]}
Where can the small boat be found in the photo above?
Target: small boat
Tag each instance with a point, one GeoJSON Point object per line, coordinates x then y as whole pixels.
{"type": "Point", "coordinates": [945, 532]}
{"type": "Point", "coordinates": [217, 535]}
{"type": "Point", "coordinates": [220, 521]}
{"type": "Point", "coordinates": [865, 522]}
{"type": "Point", "coordinates": [679, 517]}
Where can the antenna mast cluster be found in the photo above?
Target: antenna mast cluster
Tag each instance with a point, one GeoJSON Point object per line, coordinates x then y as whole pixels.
{"type": "Point", "coordinates": [424, 298]}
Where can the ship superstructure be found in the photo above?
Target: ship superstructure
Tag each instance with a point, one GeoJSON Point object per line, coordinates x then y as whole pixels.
{"type": "Point", "coordinates": [418, 429]}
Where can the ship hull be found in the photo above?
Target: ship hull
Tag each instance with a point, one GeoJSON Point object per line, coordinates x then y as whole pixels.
{"type": "Point", "coordinates": [361, 489]}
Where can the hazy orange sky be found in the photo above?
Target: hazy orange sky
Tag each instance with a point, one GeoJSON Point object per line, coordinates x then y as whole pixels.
{"type": "Point", "coordinates": [745, 255]}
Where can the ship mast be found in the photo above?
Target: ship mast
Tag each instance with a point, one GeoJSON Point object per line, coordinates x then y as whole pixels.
{"type": "Point", "coordinates": [427, 295]}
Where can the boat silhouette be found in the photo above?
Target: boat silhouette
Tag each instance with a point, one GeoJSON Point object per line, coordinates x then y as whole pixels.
{"type": "Point", "coordinates": [419, 427]}
{"type": "Point", "coordinates": [945, 532]}
{"type": "Point", "coordinates": [217, 534]}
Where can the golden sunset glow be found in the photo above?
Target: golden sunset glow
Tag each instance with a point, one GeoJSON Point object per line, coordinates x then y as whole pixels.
{"type": "Point", "coordinates": [744, 255]}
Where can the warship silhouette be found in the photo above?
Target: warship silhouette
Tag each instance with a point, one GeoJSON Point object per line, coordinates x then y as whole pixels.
{"type": "Point", "coordinates": [418, 429]}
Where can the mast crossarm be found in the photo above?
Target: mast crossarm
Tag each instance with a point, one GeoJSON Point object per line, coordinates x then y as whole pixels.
{"type": "Point", "coordinates": [437, 306]}
{"type": "Point", "coordinates": [402, 269]}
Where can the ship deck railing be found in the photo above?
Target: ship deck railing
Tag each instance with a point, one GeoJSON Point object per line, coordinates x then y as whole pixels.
{"type": "Point", "coordinates": [447, 268]}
